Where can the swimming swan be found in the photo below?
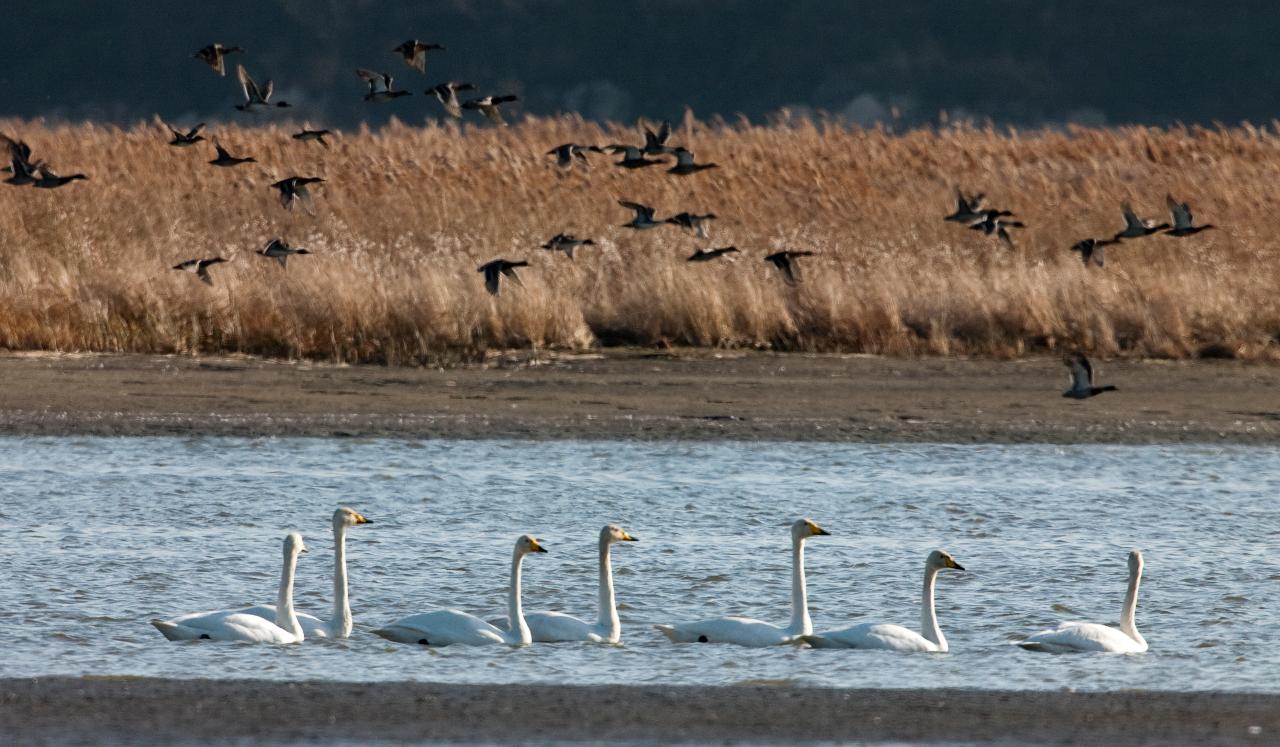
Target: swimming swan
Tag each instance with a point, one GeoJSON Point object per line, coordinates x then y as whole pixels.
{"type": "Point", "coordinates": [895, 637]}
{"type": "Point", "coordinates": [239, 624]}
{"type": "Point", "coordinates": [443, 627]}
{"type": "Point", "coordinates": [745, 631]}
{"type": "Point", "coordinates": [338, 626]}
{"type": "Point", "coordinates": [553, 627]}
{"type": "Point", "coordinates": [1071, 637]}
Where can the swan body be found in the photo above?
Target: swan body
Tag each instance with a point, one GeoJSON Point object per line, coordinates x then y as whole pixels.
{"type": "Point", "coordinates": [1074, 637]}
{"type": "Point", "coordinates": [241, 624]}
{"type": "Point", "coordinates": [339, 625]}
{"type": "Point", "coordinates": [451, 626]}
{"type": "Point", "coordinates": [557, 627]}
{"type": "Point", "coordinates": [885, 637]}
{"type": "Point", "coordinates": [745, 631]}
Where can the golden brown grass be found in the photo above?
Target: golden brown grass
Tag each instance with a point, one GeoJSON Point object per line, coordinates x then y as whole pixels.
{"type": "Point", "coordinates": [409, 213]}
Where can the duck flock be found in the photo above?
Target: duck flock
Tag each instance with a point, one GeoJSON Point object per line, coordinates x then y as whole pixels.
{"type": "Point", "coordinates": [281, 623]}
{"type": "Point", "coordinates": [295, 190]}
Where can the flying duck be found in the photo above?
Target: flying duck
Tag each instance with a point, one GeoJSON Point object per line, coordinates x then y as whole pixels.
{"type": "Point", "coordinates": [447, 95]}
{"type": "Point", "coordinates": [488, 106]}
{"type": "Point", "coordinates": [20, 163]}
{"type": "Point", "coordinates": [644, 216]}
{"type": "Point", "coordinates": [784, 261]}
{"type": "Point", "coordinates": [255, 95]}
{"type": "Point", "coordinates": [566, 153]}
{"type": "Point", "coordinates": [1091, 249]}
{"type": "Point", "coordinates": [655, 143]}
{"type": "Point", "coordinates": [212, 56]}
{"type": "Point", "coordinates": [692, 222]}
{"type": "Point", "coordinates": [200, 267]}
{"type": "Point", "coordinates": [380, 86]}
{"type": "Point", "coordinates": [991, 223]}
{"type": "Point", "coordinates": [1182, 219]}
{"type": "Point", "coordinates": [295, 188]}
{"type": "Point", "coordinates": [565, 242]}
{"type": "Point", "coordinates": [1082, 378]}
{"type": "Point", "coordinates": [280, 251]}
{"type": "Point", "coordinates": [1135, 227]}
{"type": "Point", "coordinates": [414, 53]}
{"type": "Point", "coordinates": [685, 165]}
{"type": "Point", "coordinates": [967, 208]}
{"type": "Point", "coordinates": [50, 180]}
{"type": "Point", "coordinates": [226, 159]}
{"type": "Point", "coordinates": [706, 255]}
{"type": "Point", "coordinates": [632, 156]}
{"type": "Point", "coordinates": [183, 139]}
{"type": "Point", "coordinates": [316, 135]}
{"type": "Point", "coordinates": [497, 268]}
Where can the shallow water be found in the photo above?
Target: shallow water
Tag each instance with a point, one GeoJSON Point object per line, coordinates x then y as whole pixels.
{"type": "Point", "coordinates": [104, 534]}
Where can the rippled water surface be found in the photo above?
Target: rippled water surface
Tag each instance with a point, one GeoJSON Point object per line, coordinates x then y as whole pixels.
{"type": "Point", "coordinates": [101, 535]}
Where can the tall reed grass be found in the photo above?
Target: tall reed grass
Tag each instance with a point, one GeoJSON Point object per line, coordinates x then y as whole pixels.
{"type": "Point", "coordinates": [408, 213]}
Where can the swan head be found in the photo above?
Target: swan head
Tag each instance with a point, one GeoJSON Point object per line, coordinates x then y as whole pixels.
{"type": "Point", "coordinates": [804, 528]}
{"type": "Point", "coordinates": [347, 517]}
{"type": "Point", "coordinates": [941, 559]}
{"type": "Point", "coordinates": [1135, 561]}
{"type": "Point", "coordinates": [613, 533]}
{"type": "Point", "coordinates": [527, 543]}
{"type": "Point", "coordinates": [293, 544]}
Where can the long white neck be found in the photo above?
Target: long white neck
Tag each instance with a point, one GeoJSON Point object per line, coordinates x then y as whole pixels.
{"type": "Point", "coordinates": [341, 621]}
{"type": "Point", "coordinates": [800, 622]}
{"type": "Point", "coordinates": [1127, 625]}
{"type": "Point", "coordinates": [928, 615]}
{"type": "Point", "coordinates": [608, 619]}
{"type": "Point", "coordinates": [285, 616]}
{"type": "Point", "coordinates": [515, 613]}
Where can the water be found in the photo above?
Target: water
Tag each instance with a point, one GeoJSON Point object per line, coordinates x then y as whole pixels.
{"type": "Point", "coordinates": [101, 535]}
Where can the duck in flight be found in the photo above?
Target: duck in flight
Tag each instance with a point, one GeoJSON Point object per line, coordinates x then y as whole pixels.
{"type": "Point", "coordinates": [256, 96]}
{"type": "Point", "coordinates": [493, 271]}
{"type": "Point", "coordinates": [183, 139]}
{"type": "Point", "coordinates": [213, 55]}
{"type": "Point", "coordinates": [685, 164]}
{"type": "Point", "coordinates": [565, 154]}
{"type": "Point", "coordinates": [706, 255]}
{"type": "Point", "coordinates": [785, 262]}
{"type": "Point", "coordinates": [1082, 378]}
{"type": "Point", "coordinates": [20, 163]}
{"type": "Point", "coordinates": [632, 156]}
{"type": "Point", "coordinates": [414, 53]}
{"type": "Point", "coordinates": [280, 251]}
{"type": "Point", "coordinates": [692, 222]}
{"type": "Point", "coordinates": [488, 106]}
{"type": "Point", "coordinates": [993, 223]}
{"type": "Point", "coordinates": [1182, 221]}
{"type": "Point", "coordinates": [644, 216]}
{"type": "Point", "coordinates": [226, 159]}
{"type": "Point", "coordinates": [200, 267]}
{"type": "Point", "coordinates": [967, 208]}
{"type": "Point", "coordinates": [316, 135]}
{"type": "Point", "coordinates": [1091, 249]}
{"type": "Point", "coordinates": [655, 143]}
{"type": "Point", "coordinates": [50, 180]}
{"type": "Point", "coordinates": [1135, 227]}
{"type": "Point", "coordinates": [447, 95]}
{"type": "Point", "coordinates": [380, 86]}
{"type": "Point", "coordinates": [294, 188]}
{"type": "Point", "coordinates": [566, 242]}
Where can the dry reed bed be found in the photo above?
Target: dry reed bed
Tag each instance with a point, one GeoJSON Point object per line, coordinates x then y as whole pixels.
{"type": "Point", "coordinates": [409, 212]}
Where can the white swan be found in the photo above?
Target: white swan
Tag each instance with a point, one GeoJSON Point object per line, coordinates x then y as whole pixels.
{"type": "Point", "coordinates": [1071, 637]}
{"type": "Point", "coordinates": [554, 627]}
{"type": "Point", "coordinates": [895, 637]}
{"type": "Point", "coordinates": [239, 625]}
{"type": "Point", "coordinates": [745, 631]}
{"type": "Point", "coordinates": [444, 627]}
{"type": "Point", "coordinates": [338, 626]}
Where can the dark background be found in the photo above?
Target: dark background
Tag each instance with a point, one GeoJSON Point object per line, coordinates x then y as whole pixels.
{"type": "Point", "coordinates": [1028, 63]}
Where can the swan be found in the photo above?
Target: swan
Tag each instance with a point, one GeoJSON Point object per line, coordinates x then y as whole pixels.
{"type": "Point", "coordinates": [1070, 637]}
{"type": "Point", "coordinates": [555, 627]}
{"type": "Point", "coordinates": [895, 637]}
{"type": "Point", "coordinates": [745, 631]}
{"type": "Point", "coordinates": [338, 626]}
{"type": "Point", "coordinates": [443, 627]}
{"type": "Point", "coordinates": [239, 624]}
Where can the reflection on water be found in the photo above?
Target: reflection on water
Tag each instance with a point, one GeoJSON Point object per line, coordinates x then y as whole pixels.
{"type": "Point", "coordinates": [101, 535]}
